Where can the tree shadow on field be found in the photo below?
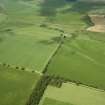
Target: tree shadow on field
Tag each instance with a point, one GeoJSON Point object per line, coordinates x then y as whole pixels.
{"type": "Point", "coordinates": [51, 41]}
{"type": "Point", "coordinates": [49, 7]}
{"type": "Point", "coordinates": [85, 6]}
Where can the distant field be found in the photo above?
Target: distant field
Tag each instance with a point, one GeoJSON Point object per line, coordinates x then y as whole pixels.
{"type": "Point", "coordinates": [16, 86]}
{"type": "Point", "coordinates": [72, 94]}
{"type": "Point", "coordinates": [99, 23]}
{"type": "Point", "coordinates": [82, 60]}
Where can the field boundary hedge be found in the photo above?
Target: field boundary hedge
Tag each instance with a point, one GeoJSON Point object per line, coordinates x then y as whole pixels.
{"type": "Point", "coordinates": [40, 87]}
{"type": "Point", "coordinates": [21, 68]}
{"type": "Point", "coordinates": [38, 91]}
{"type": "Point", "coordinates": [54, 53]}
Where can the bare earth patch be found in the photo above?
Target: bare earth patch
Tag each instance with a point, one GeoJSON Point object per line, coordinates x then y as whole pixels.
{"type": "Point", "coordinates": [99, 23]}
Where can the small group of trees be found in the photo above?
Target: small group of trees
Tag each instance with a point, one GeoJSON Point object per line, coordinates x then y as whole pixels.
{"type": "Point", "coordinates": [5, 65]}
{"type": "Point", "coordinates": [42, 84]}
{"type": "Point", "coordinates": [20, 68]}
{"type": "Point", "coordinates": [56, 81]}
{"type": "Point", "coordinates": [87, 20]}
{"type": "Point", "coordinates": [16, 67]}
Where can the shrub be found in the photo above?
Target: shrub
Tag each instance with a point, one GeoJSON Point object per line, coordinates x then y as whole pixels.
{"type": "Point", "coordinates": [22, 68]}
{"type": "Point", "coordinates": [17, 67]}
{"type": "Point", "coordinates": [4, 64]}
{"type": "Point", "coordinates": [43, 25]}
{"type": "Point", "coordinates": [33, 71]}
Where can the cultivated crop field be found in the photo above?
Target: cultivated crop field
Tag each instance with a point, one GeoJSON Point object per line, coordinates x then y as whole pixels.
{"type": "Point", "coordinates": [48, 55]}
{"type": "Point", "coordinates": [72, 94]}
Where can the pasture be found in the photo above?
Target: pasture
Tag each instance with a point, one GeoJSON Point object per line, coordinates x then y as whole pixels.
{"type": "Point", "coordinates": [16, 85]}
{"type": "Point", "coordinates": [78, 58]}
{"type": "Point", "coordinates": [31, 32]}
{"type": "Point", "coordinates": [71, 94]}
{"type": "Point", "coordinates": [30, 47]}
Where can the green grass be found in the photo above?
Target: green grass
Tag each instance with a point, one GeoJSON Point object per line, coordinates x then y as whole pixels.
{"type": "Point", "coordinates": [49, 101]}
{"type": "Point", "coordinates": [74, 95]}
{"type": "Point", "coordinates": [2, 17]}
{"type": "Point", "coordinates": [16, 86]}
{"type": "Point", "coordinates": [25, 44]}
{"type": "Point", "coordinates": [20, 13]}
{"type": "Point", "coordinates": [69, 22]}
{"type": "Point", "coordinates": [82, 60]}
{"type": "Point", "coordinates": [30, 47]}
{"type": "Point", "coordinates": [22, 41]}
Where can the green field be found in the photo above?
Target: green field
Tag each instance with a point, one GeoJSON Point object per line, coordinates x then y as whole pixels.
{"type": "Point", "coordinates": [22, 41]}
{"type": "Point", "coordinates": [49, 36]}
{"type": "Point", "coordinates": [30, 47]}
{"type": "Point", "coordinates": [49, 101]}
{"type": "Point", "coordinates": [16, 86]}
{"type": "Point", "coordinates": [74, 95]}
{"type": "Point", "coordinates": [78, 58]}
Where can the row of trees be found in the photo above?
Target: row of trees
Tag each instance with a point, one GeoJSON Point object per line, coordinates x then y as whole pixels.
{"type": "Point", "coordinates": [38, 91]}
{"type": "Point", "coordinates": [14, 67]}
{"type": "Point", "coordinates": [41, 86]}
{"type": "Point", "coordinates": [58, 81]}
{"type": "Point", "coordinates": [57, 49]}
{"type": "Point", "coordinates": [11, 66]}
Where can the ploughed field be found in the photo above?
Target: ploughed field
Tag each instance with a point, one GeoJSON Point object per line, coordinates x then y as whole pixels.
{"type": "Point", "coordinates": [43, 41]}
{"type": "Point", "coordinates": [99, 23]}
